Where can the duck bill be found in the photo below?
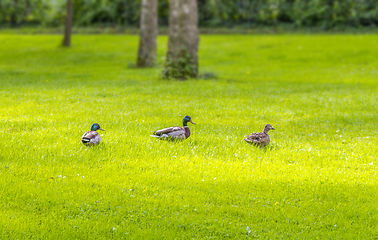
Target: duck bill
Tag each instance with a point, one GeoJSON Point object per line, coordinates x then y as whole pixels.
{"type": "Point", "coordinates": [192, 122]}
{"type": "Point", "coordinates": [273, 128]}
{"type": "Point", "coordinates": [102, 129]}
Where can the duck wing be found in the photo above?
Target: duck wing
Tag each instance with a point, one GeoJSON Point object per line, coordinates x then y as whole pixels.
{"type": "Point", "coordinates": [171, 132]}
{"type": "Point", "coordinates": [257, 138]}
{"type": "Point", "coordinates": [168, 130]}
{"type": "Point", "coordinates": [91, 137]}
{"type": "Point", "coordinates": [179, 134]}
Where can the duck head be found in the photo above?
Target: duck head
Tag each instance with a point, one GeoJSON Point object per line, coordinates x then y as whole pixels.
{"type": "Point", "coordinates": [96, 127]}
{"type": "Point", "coordinates": [186, 120]}
{"type": "Point", "coordinates": [267, 128]}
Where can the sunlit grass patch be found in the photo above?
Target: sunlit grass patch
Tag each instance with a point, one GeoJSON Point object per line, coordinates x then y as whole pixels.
{"type": "Point", "coordinates": [317, 177]}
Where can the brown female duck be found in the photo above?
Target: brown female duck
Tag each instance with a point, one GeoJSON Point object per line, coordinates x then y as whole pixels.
{"type": "Point", "coordinates": [260, 139]}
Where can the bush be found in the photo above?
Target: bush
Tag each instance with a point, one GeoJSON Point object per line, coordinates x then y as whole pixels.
{"type": "Point", "coordinates": [216, 13]}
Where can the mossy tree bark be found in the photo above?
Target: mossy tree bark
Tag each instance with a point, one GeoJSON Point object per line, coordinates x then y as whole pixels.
{"type": "Point", "coordinates": [182, 57]}
{"type": "Point", "coordinates": [68, 25]}
{"type": "Point", "coordinates": [148, 34]}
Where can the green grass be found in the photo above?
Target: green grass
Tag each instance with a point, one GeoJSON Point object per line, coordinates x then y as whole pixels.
{"type": "Point", "coordinates": [317, 178]}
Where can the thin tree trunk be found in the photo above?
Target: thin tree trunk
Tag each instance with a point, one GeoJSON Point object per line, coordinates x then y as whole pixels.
{"type": "Point", "coordinates": [182, 56]}
{"type": "Point", "coordinates": [148, 34]}
{"type": "Point", "coordinates": [68, 25]}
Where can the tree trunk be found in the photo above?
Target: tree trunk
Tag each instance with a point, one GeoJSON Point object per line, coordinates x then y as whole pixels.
{"type": "Point", "coordinates": [148, 34]}
{"type": "Point", "coordinates": [182, 58]}
{"type": "Point", "coordinates": [68, 25]}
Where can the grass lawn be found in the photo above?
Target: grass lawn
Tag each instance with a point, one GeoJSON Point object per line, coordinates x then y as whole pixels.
{"type": "Point", "coordinates": [317, 178]}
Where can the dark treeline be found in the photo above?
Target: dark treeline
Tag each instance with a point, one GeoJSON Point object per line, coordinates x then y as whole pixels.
{"type": "Point", "coordinates": [212, 13]}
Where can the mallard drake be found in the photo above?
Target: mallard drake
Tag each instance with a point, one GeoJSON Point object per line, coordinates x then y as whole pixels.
{"type": "Point", "coordinates": [260, 139]}
{"type": "Point", "coordinates": [92, 137]}
{"type": "Point", "coordinates": [175, 133]}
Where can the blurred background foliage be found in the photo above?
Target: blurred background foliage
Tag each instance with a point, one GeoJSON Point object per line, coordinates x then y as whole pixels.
{"type": "Point", "coordinates": [212, 13]}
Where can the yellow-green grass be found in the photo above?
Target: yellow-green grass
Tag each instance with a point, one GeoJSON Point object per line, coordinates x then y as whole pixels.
{"type": "Point", "coordinates": [317, 178]}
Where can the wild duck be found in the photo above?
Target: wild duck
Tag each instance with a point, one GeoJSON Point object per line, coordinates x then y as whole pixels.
{"type": "Point", "coordinates": [92, 137]}
{"type": "Point", "coordinates": [261, 138]}
{"type": "Point", "coordinates": [175, 133]}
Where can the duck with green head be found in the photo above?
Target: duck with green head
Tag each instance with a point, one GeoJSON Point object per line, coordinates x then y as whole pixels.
{"type": "Point", "coordinates": [175, 133]}
{"type": "Point", "coordinates": [92, 137]}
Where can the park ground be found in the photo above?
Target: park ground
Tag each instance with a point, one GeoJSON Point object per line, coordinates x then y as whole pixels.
{"type": "Point", "coordinates": [317, 178]}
